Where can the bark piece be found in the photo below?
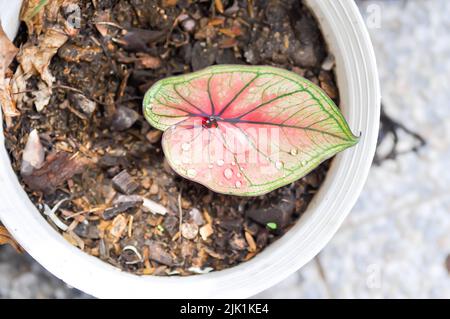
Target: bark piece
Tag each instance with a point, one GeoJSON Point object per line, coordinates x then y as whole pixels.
{"type": "Point", "coordinates": [57, 169]}
{"type": "Point", "coordinates": [124, 183]}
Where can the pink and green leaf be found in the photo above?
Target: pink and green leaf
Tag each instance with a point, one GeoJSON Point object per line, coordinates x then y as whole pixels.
{"type": "Point", "coordinates": [245, 130]}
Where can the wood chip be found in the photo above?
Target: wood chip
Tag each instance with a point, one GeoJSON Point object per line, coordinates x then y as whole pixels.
{"type": "Point", "coordinates": [118, 227]}
{"type": "Point", "coordinates": [124, 183]}
{"type": "Point", "coordinates": [206, 231]}
{"type": "Point", "coordinates": [250, 241]}
{"type": "Point", "coordinates": [147, 61]}
{"type": "Point", "coordinates": [154, 136]}
{"type": "Point", "coordinates": [6, 238]}
{"type": "Point", "coordinates": [219, 5]}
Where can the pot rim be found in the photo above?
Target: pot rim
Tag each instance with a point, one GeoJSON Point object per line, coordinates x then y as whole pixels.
{"type": "Point", "coordinates": [357, 76]}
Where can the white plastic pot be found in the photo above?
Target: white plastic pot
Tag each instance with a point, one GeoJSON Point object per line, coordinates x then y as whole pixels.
{"type": "Point", "coordinates": [357, 77]}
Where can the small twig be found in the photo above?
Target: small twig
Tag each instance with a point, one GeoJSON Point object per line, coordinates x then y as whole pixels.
{"type": "Point", "coordinates": [112, 24]}
{"type": "Point", "coordinates": [65, 87]}
{"type": "Point", "coordinates": [51, 214]}
{"type": "Point", "coordinates": [26, 91]}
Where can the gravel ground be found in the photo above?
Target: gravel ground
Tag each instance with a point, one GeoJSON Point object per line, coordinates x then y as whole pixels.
{"type": "Point", "coordinates": [395, 242]}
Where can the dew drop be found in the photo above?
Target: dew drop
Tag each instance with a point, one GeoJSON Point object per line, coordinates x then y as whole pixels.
{"type": "Point", "coordinates": [228, 173]}
{"type": "Point", "coordinates": [220, 162]}
{"type": "Point", "coordinates": [238, 184]}
{"type": "Point", "coordinates": [279, 165]}
{"type": "Point", "coordinates": [303, 163]}
{"type": "Point", "coordinates": [294, 151]}
{"type": "Point", "coordinates": [191, 172]}
{"type": "Point", "coordinates": [239, 174]}
{"type": "Point", "coordinates": [186, 146]}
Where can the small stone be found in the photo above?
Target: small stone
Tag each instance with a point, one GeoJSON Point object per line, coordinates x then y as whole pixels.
{"type": "Point", "coordinates": [187, 249]}
{"type": "Point", "coordinates": [124, 183]}
{"type": "Point", "coordinates": [81, 102]}
{"type": "Point", "coordinates": [87, 231]}
{"type": "Point", "coordinates": [237, 242]}
{"type": "Point", "coordinates": [158, 253]}
{"type": "Point", "coordinates": [189, 230]}
{"type": "Point", "coordinates": [154, 136]}
{"type": "Point", "coordinates": [171, 225]}
{"type": "Point", "coordinates": [154, 189]}
{"type": "Point", "coordinates": [107, 161]}
{"type": "Point", "coordinates": [124, 118]}
{"type": "Point", "coordinates": [279, 213]}
{"type": "Point", "coordinates": [206, 231]}
{"type": "Point", "coordinates": [188, 25]}
{"type": "Point", "coordinates": [146, 182]}
{"type": "Point", "coordinates": [202, 57]}
{"type": "Point", "coordinates": [328, 63]}
{"type": "Point", "coordinates": [185, 203]}
{"type": "Point", "coordinates": [196, 216]}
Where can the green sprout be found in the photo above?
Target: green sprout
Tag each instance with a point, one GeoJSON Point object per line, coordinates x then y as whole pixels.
{"type": "Point", "coordinates": [272, 225]}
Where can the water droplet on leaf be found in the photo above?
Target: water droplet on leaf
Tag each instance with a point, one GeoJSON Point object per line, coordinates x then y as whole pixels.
{"type": "Point", "coordinates": [228, 173]}
{"type": "Point", "coordinates": [220, 162]}
{"type": "Point", "coordinates": [279, 165]}
{"type": "Point", "coordinates": [294, 151]}
{"type": "Point", "coordinates": [238, 184]}
{"type": "Point", "coordinates": [191, 172]}
{"type": "Point", "coordinates": [186, 146]}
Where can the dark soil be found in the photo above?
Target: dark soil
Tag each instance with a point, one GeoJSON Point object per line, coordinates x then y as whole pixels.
{"type": "Point", "coordinates": [101, 153]}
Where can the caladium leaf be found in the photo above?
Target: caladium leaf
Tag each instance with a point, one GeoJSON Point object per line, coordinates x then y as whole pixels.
{"type": "Point", "coordinates": [245, 130]}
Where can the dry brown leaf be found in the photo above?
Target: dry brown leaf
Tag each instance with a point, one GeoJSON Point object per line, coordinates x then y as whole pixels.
{"type": "Point", "coordinates": [6, 238]}
{"type": "Point", "coordinates": [57, 169]}
{"type": "Point", "coordinates": [7, 53]}
{"type": "Point", "coordinates": [101, 21]}
{"type": "Point", "coordinates": [39, 14]}
{"type": "Point", "coordinates": [35, 59]}
{"type": "Point", "coordinates": [146, 61]}
{"type": "Point", "coordinates": [32, 13]}
{"type": "Point", "coordinates": [219, 5]}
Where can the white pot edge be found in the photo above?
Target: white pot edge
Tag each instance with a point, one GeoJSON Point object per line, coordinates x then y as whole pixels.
{"type": "Point", "coordinates": [345, 32]}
